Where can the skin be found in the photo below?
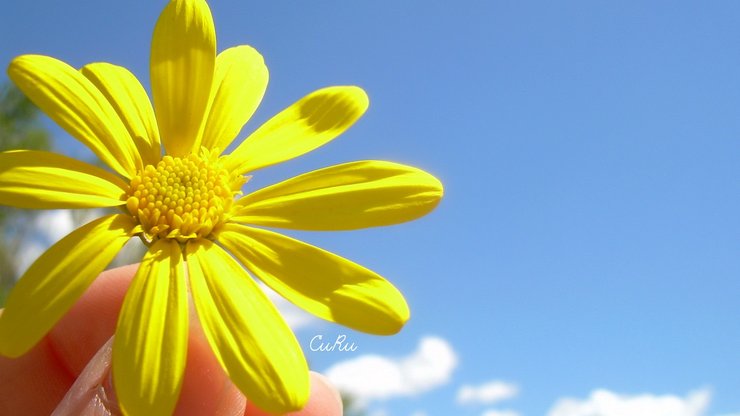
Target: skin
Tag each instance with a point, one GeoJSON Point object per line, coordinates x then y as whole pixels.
{"type": "Point", "coordinates": [68, 372]}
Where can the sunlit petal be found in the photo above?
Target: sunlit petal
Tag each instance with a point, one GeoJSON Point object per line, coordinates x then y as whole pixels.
{"type": "Point", "coordinates": [249, 337]}
{"type": "Point", "coordinates": [37, 179]}
{"type": "Point", "coordinates": [150, 347]}
{"type": "Point", "coordinates": [238, 86]}
{"type": "Point", "coordinates": [182, 62]}
{"type": "Point", "coordinates": [318, 281]}
{"type": "Point", "coordinates": [343, 197]}
{"type": "Point", "coordinates": [131, 103]}
{"type": "Point", "coordinates": [57, 279]}
{"type": "Point", "coordinates": [79, 107]}
{"type": "Point", "coordinates": [309, 123]}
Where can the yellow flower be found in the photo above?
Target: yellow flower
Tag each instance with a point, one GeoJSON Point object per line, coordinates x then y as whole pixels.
{"type": "Point", "coordinates": [186, 207]}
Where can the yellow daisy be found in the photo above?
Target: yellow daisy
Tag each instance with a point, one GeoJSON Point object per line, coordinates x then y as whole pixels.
{"type": "Point", "coordinates": [182, 197]}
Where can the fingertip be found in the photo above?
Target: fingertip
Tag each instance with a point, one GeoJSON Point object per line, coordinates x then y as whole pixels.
{"type": "Point", "coordinates": [324, 401]}
{"type": "Point", "coordinates": [206, 389]}
{"type": "Point", "coordinates": [330, 394]}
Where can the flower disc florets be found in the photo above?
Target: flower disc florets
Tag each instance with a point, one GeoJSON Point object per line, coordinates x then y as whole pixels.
{"type": "Point", "coordinates": [182, 198]}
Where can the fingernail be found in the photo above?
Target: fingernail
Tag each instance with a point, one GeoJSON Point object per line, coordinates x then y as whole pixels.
{"type": "Point", "coordinates": [92, 393]}
{"type": "Point", "coordinates": [107, 395]}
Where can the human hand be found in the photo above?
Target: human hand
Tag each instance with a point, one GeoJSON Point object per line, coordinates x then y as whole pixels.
{"type": "Point", "coordinates": [69, 370]}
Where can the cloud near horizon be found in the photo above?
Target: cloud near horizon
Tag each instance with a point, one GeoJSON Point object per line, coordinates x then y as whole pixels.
{"type": "Point", "coordinates": [375, 377]}
{"type": "Point", "coordinates": [487, 393]}
{"type": "Point", "coordinates": [495, 412]}
{"type": "Point", "coordinates": [606, 403]}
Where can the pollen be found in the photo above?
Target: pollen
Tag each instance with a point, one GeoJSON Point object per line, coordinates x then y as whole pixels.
{"type": "Point", "coordinates": [182, 198]}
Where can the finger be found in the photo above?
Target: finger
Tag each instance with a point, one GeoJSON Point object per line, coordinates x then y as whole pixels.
{"type": "Point", "coordinates": [34, 383]}
{"type": "Point", "coordinates": [324, 401]}
{"type": "Point", "coordinates": [206, 389]}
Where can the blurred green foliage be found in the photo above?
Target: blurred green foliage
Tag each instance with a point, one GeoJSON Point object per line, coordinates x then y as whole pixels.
{"type": "Point", "coordinates": [21, 127]}
{"type": "Point", "coordinates": [20, 122]}
{"type": "Point", "coordinates": [351, 407]}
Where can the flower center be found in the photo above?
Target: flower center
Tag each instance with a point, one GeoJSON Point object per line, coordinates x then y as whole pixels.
{"type": "Point", "coordinates": [182, 198]}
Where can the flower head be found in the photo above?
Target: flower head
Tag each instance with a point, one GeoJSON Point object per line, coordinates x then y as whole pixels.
{"type": "Point", "coordinates": [175, 190]}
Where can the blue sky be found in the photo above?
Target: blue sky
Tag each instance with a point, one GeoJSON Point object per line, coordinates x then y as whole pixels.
{"type": "Point", "coordinates": [589, 233]}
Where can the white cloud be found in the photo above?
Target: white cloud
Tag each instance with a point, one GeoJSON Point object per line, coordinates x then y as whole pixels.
{"type": "Point", "coordinates": [370, 377]}
{"type": "Point", "coordinates": [27, 255]}
{"type": "Point", "coordinates": [495, 412]}
{"type": "Point", "coordinates": [487, 393]}
{"type": "Point", "coordinates": [294, 316]}
{"type": "Point", "coordinates": [53, 225]}
{"type": "Point", "coordinates": [47, 228]}
{"type": "Point", "coordinates": [605, 403]}
{"type": "Point", "coordinates": [419, 413]}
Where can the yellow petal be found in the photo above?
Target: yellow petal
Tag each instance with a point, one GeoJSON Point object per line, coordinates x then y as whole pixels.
{"type": "Point", "coordinates": [247, 334]}
{"type": "Point", "coordinates": [79, 107]}
{"type": "Point", "coordinates": [57, 279]}
{"type": "Point", "coordinates": [37, 179]}
{"type": "Point", "coordinates": [150, 346]}
{"type": "Point", "coordinates": [238, 86]}
{"type": "Point", "coordinates": [182, 62]}
{"type": "Point", "coordinates": [320, 282]}
{"type": "Point", "coordinates": [132, 105]}
{"type": "Point", "coordinates": [343, 197]}
{"type": "Point", "coordinates": [309, 123]}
